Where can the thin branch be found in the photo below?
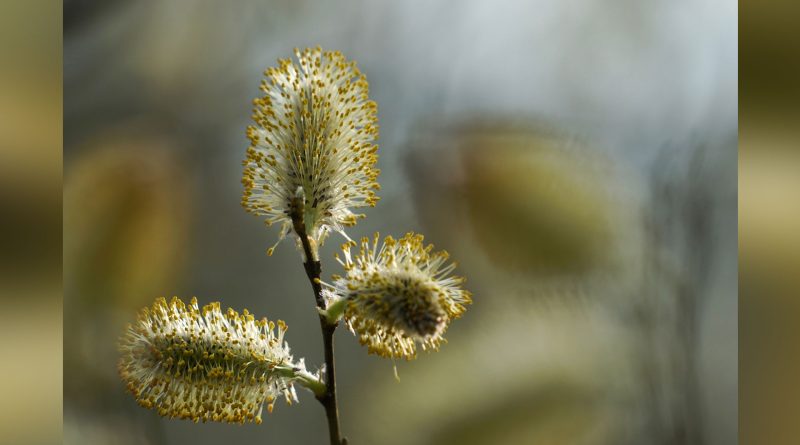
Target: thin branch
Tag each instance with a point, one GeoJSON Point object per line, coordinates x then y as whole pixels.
{"type": "Point", "coordinates": [313, 269]}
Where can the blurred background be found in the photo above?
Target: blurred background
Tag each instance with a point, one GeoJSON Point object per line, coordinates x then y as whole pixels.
{"type": "Point", "coordinates": [769, 216]}
{"type": "Point", "coordinates": [30, 222]}
{"type": "Point", "coordinates": [578, 158]}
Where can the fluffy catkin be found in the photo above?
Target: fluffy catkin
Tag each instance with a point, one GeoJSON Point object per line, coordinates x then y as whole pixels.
{"type": "Point", "coordinates": [206, 365]}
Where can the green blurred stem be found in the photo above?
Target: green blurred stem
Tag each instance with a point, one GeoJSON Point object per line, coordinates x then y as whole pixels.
{"type": "Point", "coordinates": [313, 269]}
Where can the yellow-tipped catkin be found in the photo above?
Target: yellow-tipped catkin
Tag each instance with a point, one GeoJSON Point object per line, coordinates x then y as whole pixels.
{"type": "Point", "coordinates": [398, 294]}
{"type": "Point", "coordinates": [204, 364]}
{"type": "Point", "coordinates": [315, 131]}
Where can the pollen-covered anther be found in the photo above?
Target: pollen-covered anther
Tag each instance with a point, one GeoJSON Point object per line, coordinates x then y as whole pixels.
{"type": "Point", "coordinates": [204, 364]}
{"type": "Point", "coordinates": [314, 131]}
{"type": "Point", "coordinates": [398, 295]}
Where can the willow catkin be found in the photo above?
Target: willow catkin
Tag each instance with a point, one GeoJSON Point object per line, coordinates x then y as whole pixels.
{"type": "Point", "coordinates": [206, 365]}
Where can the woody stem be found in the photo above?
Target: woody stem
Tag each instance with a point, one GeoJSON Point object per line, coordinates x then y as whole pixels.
{"type": "Point", "coordinates": [313, 269]}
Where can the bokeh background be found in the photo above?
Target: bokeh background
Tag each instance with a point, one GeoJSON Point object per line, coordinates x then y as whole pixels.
{"type": "Point", "coordinates": [30, 222]}
{"type": "Point", "coordinates": [769, 218]}
{"type": "Point", "coordinates": [578, 158]}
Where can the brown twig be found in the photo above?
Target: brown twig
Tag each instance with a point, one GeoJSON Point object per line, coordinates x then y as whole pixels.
{"type": "Point", "coordinates": [313, 269]}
